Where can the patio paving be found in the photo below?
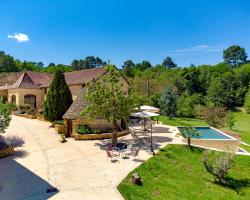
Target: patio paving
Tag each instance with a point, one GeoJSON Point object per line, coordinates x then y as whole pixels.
{"type": "Point", "coordinates": [78, 169]}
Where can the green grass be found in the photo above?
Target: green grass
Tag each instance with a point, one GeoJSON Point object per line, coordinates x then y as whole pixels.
{"type": "Point", "coordinates": [178, 173]}
{"type": "Point", "coordinates": [242, 125]}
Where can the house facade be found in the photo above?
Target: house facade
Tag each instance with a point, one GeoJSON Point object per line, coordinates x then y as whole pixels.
{"type": "Point", "coordinates": [32, 87]}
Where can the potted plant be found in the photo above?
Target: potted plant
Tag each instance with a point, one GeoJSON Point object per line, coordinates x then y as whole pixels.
{"type": "Point", "coordinates": [59, 126]}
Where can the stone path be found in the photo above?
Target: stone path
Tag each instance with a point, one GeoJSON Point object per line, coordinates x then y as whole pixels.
{"type": "Point", "coordinates": [78, 169]}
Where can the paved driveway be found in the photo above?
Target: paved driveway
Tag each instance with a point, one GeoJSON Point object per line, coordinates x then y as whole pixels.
{"type": "Point", "coordinates": [78, 169]}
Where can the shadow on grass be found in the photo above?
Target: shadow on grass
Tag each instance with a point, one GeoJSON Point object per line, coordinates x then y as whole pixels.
{"type": "Point", "coordinates": [236, 184]}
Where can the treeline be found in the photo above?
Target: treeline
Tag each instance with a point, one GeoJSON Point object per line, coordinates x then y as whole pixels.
{"type": "Point", "coordinates": [222, 85]}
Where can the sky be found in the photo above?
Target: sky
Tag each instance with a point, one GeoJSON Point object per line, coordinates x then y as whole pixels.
{"type": "Point", "coordinates": [189, 31]}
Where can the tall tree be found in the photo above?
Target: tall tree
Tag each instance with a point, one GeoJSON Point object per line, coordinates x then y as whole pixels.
{"type": "Point", "coordinates": [106, 99]}
{"type": "Point", "coordinates": [88, 63]}
{"type": "Point", "coordinates": [59, 98]}
{"type": "Point", "coordinates": [167, 103]}
{"type": "Point", "coordinates": [7, 63]}
{"type": "Point", "coordinates": [235, 55]}
{"type": "Point", "coordinates": [169, 63]}
{"type": "Point", "coordinates": [127, 67]}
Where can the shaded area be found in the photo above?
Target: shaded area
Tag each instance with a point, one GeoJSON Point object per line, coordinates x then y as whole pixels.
{"type": "Point", "coordinates": [18, 182]}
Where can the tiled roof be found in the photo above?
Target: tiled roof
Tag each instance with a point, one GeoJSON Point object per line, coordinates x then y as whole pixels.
{"type": "Point", "coordinates": [76, 107]}
{"type": "Point", "coordinates": [30, 79]}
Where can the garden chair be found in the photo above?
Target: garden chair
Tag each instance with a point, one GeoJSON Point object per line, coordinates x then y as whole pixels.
{"type": "Point", "coordinates": [111, 155]}
{"type": "Point", "coordinates": [135, 153]}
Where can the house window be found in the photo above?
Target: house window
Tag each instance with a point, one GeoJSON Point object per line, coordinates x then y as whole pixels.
{"type": "Point", "coordinates": [13, 99]}
{"type": "Point", "coordinates": [30, 99]}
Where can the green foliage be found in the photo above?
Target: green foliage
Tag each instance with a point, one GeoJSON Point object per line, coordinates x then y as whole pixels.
{"type": "Point", "coordinates": [230, 120]}
{"type": "Point", "coordinates": [128, 68]}
{"type": "Point", "coordinates": [59, 98]}
{"type": "Point", "coordinates": [59, 122]}
{"type": "Point", "coordinates": [167, 103]}
{"type": "Point", "coordinates": [5, 117]}
{"type": "Point", "coordinates": [88, 63]}
{"type": "Point", "coordinates": [83, 129]}
{"type": "Point", "coordinates": [106, 99]}
{"type": "Point", "coordinates": [189, 132]}
{"type": "Point", "coordinates": [7, 63]}
{"type": "Point", "coordinates": [235, 55]}
{"type": "Point", "coordinates": [226, 91]}
{"type": "Point", "coordinates": [169, 63]}
{"type": "Point", "coordinates": [53, 68]}
{"type": "Point", "coordinates": [247, 102]}
{"type": "Point", "coordinates": [214, 116]}
{"type": "Point", "coordinates": [187, 104]}
{"type": "Point", "coordinates": [218, 163]}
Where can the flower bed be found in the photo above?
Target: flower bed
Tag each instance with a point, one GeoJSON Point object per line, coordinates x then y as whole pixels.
{"type": "Point", "coordinates": [99, 136]}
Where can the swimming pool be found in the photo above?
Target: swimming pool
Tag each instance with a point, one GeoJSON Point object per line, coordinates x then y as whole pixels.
{"type": "Point", "coordinates": [213, 138]}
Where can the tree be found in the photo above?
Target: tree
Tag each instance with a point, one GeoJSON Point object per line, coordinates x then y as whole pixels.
{"type": "Point", "coordinates": [235, 55]}
{"type": "Point", "coordinates": [247, 102]}
{"type": "Point", "coordinates": [167, 103]}
{"type": "Point", "coordinates": [128, 67]}
{"type": "Point", "coordinates": [88, 63]}
{"type": "Point", "coordinates": [214, 116]}
{"type": "Point", "coordinates": [189, 132]}
{"type": "Point", "coordinates": [106, 99]}
{"type": "Point", "coordinates": [169, 63]}
{"type": "Point", "coordinates": [143, 65]}
{"type": "Point", "coordinates": [5, 117]}
{"type": "Point", "coordinates": [230, 120]}
{"type": "Point", "coordinates": [59, 98]}
{"type": "Point", "coordinates": [218, 163]}
{"type": "Point", "coordinates": [7, 63]}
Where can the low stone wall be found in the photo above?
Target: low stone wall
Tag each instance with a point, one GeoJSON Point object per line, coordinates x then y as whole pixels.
{"type": "Point", "coordinates": [27, 116]}
{"type": "Point", "coordinates": [99, 136]}
{"type": "Point", "coordinates": [101, 124]}
{"type": "Point", "coordinates": [41, 117]}
{"type": "Point", "coordinates": [227, 145]}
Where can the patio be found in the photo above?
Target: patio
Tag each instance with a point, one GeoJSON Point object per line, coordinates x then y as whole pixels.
{"type": "Point", "coordinates": [78, 169]}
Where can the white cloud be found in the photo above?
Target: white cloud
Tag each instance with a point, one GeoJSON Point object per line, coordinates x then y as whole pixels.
{"type": "Point", "coordinates": [20, 37]}
{"type": "Point", "coordinates": [198, 49]}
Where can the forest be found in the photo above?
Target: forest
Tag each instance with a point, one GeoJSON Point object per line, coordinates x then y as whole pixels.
{"type": "Point", "coordinates": [178, 91]}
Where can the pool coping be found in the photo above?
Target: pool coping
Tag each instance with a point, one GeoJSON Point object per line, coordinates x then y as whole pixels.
{"type": "Point", "coordinates": [221, 132]}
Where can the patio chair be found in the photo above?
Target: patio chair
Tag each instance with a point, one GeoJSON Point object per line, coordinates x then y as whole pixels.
{"type": "Point", "coordinates": [111, 155]}
{"type": "Point", "coordinates": [136, 139]}
{"type": "Point", "coordinates": [135, 153]}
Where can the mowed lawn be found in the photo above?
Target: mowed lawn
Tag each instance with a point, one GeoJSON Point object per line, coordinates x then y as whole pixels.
{"type": "Point", "coordinates": [242, 125]}
{"type": "Point", "coordinates": [178, 173]}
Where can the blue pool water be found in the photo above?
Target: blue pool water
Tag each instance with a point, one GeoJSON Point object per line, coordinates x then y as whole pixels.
{"type": "Point", "coordinates": [209, 133]}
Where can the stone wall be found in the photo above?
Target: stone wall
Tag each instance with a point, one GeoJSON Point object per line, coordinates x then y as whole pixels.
{"type": "Point", "coordinates": [228, 145]}
{"type": "Point", "coordinates": [101, 124]}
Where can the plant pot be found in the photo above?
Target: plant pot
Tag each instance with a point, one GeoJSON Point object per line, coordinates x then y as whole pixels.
{"type": "Point", "coordinates": [7, 152]}
{"type": "Point", "coordinates": [60, 128]}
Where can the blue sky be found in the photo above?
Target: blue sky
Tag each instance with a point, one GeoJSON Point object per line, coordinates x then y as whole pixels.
{"type": "Point", "coordinates": [190, 31]}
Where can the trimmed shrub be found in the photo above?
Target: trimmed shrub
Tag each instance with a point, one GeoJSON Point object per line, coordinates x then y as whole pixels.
{"type": "Point", "coordinates": [83, 129]}
{"type": "Point", "coordinates": [59, 98]}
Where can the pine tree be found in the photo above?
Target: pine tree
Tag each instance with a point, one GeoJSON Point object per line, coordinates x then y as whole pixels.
{"type": "Point", "coordinates": [59, 98]}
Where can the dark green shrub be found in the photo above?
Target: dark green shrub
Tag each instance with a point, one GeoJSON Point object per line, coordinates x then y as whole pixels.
{"type": "Point", "coordinates": [83, 129]}
{"type": "Point", "coordinates": [59, 122]}
{"type": "Point", "coordinates": [59, 98]}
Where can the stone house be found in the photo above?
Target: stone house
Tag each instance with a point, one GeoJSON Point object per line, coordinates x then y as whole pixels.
{"type": "Point", "coordinates": [32, 88]}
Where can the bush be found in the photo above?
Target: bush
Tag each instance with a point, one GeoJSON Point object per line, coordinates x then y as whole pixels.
{"type": "Point", "coordinates": [247, 102]}
{"type": "Point", "coordinates": [59, 122]}
{"type": "Point", "coordinates": [5, 117]}
{"type": "Point", "coordinates": [83, 129]}
{"type": "Point", "coordinates": [13, 141]}
{"type": "Point", "coordinates": [12, 106]}
{"type": "Point", "coordinates": [218, 163]}
{"type": "Point", "coordinates": [230, 120]}
{"type": "Point", "coordinates": [214, 116]}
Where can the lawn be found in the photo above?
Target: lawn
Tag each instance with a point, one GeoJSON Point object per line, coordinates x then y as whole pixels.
{"type": "Point", "coordinates": [242, 125]}
{"type": "Point", "coordinates": [178, 173]}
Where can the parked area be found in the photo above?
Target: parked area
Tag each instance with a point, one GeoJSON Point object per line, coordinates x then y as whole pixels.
{"type": "Point", "coordinates": [77, 169]}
